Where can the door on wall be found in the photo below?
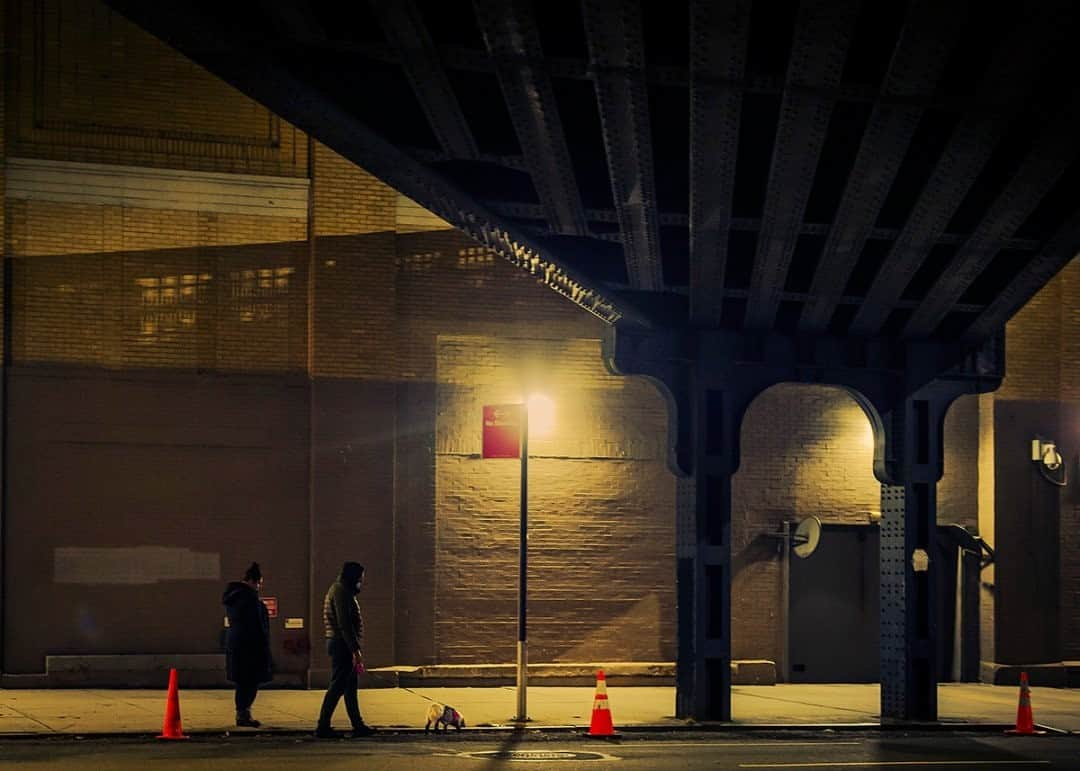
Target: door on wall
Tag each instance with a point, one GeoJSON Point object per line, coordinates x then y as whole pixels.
{"type": "Point", "coordinates": [833, 615]}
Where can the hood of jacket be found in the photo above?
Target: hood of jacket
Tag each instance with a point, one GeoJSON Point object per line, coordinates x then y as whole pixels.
{"type": "Point", "coordinates": [235, 592]}
{"type": "Point", "coordinates": [350, 574]}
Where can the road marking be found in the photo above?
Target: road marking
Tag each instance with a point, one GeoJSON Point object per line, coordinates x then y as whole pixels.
{"type": "Point", "coordinates": [877, 763]}
{"type": "Point", "coordinates": [721, 743]}
{"type": "Point", "coordinates": [537, 756]}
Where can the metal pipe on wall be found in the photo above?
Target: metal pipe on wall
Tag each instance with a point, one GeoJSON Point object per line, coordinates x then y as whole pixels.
{"type": "Point", "coordinates": [785, 602]}
{"type": "Point", "coordinates": [313, 602]}
{"type": "Point", "coordinates": [6, 359]}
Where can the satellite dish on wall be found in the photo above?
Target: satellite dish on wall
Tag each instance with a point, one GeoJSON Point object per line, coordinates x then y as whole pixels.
{"type": "Point", "coordinates": [806, 537]}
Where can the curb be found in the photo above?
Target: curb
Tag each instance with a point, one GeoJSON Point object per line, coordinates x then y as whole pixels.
{"type": "Point", "coordinates": [474, 732]}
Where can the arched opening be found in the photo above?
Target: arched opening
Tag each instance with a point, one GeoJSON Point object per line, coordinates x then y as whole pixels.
{"type": "Point", "coordinates": [808, 451]}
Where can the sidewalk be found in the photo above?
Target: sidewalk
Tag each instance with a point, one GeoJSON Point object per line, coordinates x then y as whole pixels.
{"type": "Point", "coordinates": [113, 711]}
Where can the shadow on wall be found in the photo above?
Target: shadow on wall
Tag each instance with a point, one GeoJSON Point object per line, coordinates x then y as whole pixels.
{"type": "Point", "coordinates": [646, 615]}
{"type": "Point", "coordinates": [762, 548]}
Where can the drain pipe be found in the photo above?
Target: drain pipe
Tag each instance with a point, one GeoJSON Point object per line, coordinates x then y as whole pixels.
{"type": "Point", "coordinates": [5, 378]}
{"type": "Point", "coordinates": [785, 603]}
{"type": "Point", "coordinates": [313, 601]}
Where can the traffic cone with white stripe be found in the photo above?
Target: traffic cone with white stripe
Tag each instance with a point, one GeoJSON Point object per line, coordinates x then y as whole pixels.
{"type": "Point", "coordinates": [1025, 721]}
{"type": "Point", "coordinates": [601, 724]}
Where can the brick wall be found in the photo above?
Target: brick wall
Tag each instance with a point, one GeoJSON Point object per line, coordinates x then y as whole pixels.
{"type": "Point", "coordinates": [958, 490]}
{"type": "Point", "coordinates": [126, 287]}
{"type": "Point", "coordinates": [116, 465]}
{"type": "Point", "coordinates": [1033, 346]}
{"type": "Point", "coordinates": [352, 442]}
{"type": "Point", "coordinates": [601, 532]}
{"type": "Point", "coordinates": [396, 329]}
{"type": "Point", "coordinates": [92, 87]}
{"type": "Point", "coordinates": [806, 450]}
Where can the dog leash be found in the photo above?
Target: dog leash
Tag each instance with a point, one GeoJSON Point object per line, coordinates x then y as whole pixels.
{"type": "Point", "coordinates": [399, 685]}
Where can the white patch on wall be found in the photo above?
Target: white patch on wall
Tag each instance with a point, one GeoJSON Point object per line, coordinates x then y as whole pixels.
{"type": "Point", "coordinates": [138, 565]}
{"type": "Point", "coordinates": [142, 187]}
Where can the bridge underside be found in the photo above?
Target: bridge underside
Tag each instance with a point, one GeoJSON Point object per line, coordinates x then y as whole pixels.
{"type": "Point", "coordinates": [748, 193]}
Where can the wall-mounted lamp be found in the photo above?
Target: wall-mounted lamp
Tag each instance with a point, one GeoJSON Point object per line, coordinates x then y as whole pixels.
{"type": "Point", "coordinates": [1045, 455]}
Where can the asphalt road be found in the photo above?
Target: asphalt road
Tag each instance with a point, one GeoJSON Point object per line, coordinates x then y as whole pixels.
{"type": "Point", "coordinates": [818, 750]}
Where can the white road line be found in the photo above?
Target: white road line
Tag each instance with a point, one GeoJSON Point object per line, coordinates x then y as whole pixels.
{"type": "Point", "coordinates": [878, 763]}
{"type": "Point", "coordinates": [653, 745]}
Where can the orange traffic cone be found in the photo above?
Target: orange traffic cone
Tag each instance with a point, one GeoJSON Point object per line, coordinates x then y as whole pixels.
{"type": "Point", "coordinates": [171, 728]}
{"type": "Point", "coordinates": [1025, 721]}
{"type": "Point", "coordinates": [601, 715]}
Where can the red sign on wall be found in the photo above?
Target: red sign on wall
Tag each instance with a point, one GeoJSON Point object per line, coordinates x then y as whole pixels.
{"type": "Point", "coordinates": [502, 430]}
{"type": "Point", "coordinates": [271, 606]}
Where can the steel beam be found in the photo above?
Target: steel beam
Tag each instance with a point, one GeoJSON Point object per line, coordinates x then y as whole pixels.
{"type": "Point", "coordinates": [294, 21]}
{"type": "Point", "coordinates": [823, 32]}
{"type": "Point", "coordinates": [718, 36]}
{"type": "Point", "coordinates": [916, 66]}
{"type": "Point", "coordinates": [968, 150]}
{"type": "Point", "coordinates": [233, 57]}
{"type": "Point", "coordinates": [514, 44]}
{"type": "Point", "coordinates": [909, 460]}
{"type": "Point", "coordinates": [1054, 150]}
{"type": "Point", "coordinates": [1059, 252]}
{"type": "Point", "coordinates": [677, 219]}
{"type": "Point", "coordinates": [709, 378]}
{"type": "Point", "coordinates": [617, 54]}
{"type": "Point", "coordinates": [404, 28]}
{"type": "Point", "coordinates": [441, 156]}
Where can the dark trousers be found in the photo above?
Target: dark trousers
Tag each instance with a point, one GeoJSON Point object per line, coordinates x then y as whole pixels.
{"type": "Point", "coordinates": [245, 695]}
{"type": "Point", "coordinates": [343, 682]}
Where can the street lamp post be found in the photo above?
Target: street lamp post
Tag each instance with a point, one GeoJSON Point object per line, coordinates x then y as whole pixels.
{"type": "Point", "coordinates": [523, 565]}
{"type": "Point", "coordinates": [506, 435]}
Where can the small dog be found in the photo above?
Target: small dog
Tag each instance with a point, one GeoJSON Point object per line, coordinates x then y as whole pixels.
{"type": "Point", "coordinates": [445, 714]}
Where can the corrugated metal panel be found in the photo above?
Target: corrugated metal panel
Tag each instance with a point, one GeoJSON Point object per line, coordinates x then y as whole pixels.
{"type": "Point", "coordinates": [149, 188]}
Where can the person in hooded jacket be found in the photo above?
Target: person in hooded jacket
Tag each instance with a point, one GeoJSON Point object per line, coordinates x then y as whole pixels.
{"type": "Point", "coordinates": [345, 646]}
{"type": "Point", "coordinates": [247, 644]}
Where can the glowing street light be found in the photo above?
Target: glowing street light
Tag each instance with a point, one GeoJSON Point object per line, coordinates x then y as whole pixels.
{"type": "Point", "coordinates": [541, 415]}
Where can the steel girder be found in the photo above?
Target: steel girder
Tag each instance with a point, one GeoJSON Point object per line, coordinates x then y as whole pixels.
{"type": "Point", "coordinates": [910, 463]}
{"type": "Point", "coordinates": [718, 34]}
{"type": "Point", "coordinates": [236, 59]}
{"type": "Point", "coordinates": [617, 54]}
{"type": "Point", "coordinates": [1054, 149]}
{"type": "Point", "coordinates": [514, 44]}
{"type": "Point", "coordinates": [916, 66]}
{"type": "Point", "coordinates": [404, 28]}
{"type": "Point", "coordinates": [823, 33]}
{"type": "Point", "coordinates": [969, 148]}
{"type": "Point", "coordinates": [709, 380]}
{"type": "Point", "coordinates": [1059, 251]}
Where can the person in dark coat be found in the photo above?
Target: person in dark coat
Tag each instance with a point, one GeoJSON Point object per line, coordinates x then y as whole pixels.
{"type": "Point", "coordinates": [344, 632]}
{"type": "Point", "coordinates": [247, 645]}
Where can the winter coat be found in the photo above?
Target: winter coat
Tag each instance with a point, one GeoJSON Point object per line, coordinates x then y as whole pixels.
{"type": "Point", "coordinates": [247, 644]}
{"type": "Point", "coordinates": [341, 611]}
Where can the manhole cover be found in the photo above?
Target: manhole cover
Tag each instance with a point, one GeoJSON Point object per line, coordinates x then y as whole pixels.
{"type": "Point", "coordinates": [536, 756]}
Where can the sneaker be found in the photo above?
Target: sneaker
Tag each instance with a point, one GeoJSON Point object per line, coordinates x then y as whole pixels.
{"type": "Point", "coordinates": [363, 730]}
{"type": "Point", "coordinates": [245, 719]}
{"type": "Point", "coordinates": [327, 733]}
